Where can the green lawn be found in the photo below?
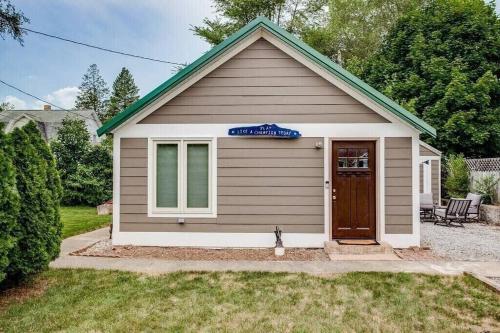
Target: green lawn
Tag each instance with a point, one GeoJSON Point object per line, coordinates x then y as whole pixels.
{"type": "Point", "coordinates": [77, 220]}
{"type": "Point", "coordinates": [106, 301]}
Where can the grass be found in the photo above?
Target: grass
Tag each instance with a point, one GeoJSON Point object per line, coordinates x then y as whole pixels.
{"type": "Point", "coordinates": [108, 301]}
{"type": "Point", "coordinates": [78, 219]}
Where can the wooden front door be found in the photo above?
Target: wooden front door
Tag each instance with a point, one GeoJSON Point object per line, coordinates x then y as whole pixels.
{"type": "Point", "coordinates": [353, 189]}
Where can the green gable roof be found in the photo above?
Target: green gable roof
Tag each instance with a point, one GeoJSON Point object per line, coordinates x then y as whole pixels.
{"type": "Point", "coordinates": [286, 37]}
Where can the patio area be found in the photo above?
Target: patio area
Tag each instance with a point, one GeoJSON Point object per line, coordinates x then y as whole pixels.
{"type": "Point", "coordinates": [475, 242]}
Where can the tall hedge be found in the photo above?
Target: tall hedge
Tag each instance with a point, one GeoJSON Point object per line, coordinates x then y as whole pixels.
{"type": "Point", "coordinates": [37, 238]}
{"type": "Point", "coordinates": [52, 208]}
{"type": "Point", "coordinates": [9, 202]}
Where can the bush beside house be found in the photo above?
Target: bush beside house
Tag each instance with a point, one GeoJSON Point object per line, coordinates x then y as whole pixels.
{"type": "Point", "coordinates": [457, 180]}
{"type": "Point", "coordinates": [32, 228]}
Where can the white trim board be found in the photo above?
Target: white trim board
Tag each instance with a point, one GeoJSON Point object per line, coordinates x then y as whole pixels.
{"type": "Point", "coordinates": [347, 131]}
{"type": "Point", "coordinates": [217, 239]}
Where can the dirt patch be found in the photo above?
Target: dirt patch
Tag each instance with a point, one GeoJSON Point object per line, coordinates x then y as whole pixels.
{"type": "Point", "coordinates": [19, 294]}
{"type": "Point", "coordinates": [106, 249]}
{"type": "Point", "coordinates": [417, 253]}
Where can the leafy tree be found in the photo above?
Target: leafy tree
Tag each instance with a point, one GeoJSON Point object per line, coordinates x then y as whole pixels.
{"type": "Point", "coordinates": [93, 92]}
{"type": "Point", "coordinates": [457, 180]}
{"type": "Point", "coordinates": [11, 21]}
{"type": "Point", "coordinates": [6, 106]}
{"type": "Point", "coordinates": [51, 208]}
{"type": "Point", "coordinates": [442, 62]}
{"type": "Point", "coordinates": [9, 202]}
{"type": "Point", "coordinates": [86, 170]}
{"type": "Point", "coordinates": [30, 254]}
{"type": "Point", "coordinates": [124, 93]}
{"type": "Point", "coordinates": [354, 29]}
{"type": "Point", "coordinates": [234, 14]}
{"type": "Point", "coordinates": [70, 146]}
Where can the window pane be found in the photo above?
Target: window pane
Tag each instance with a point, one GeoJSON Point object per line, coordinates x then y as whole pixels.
{"type": "Point", "coordinates": [197, 175]}
{"type": "Point", "coordinates": [166, 175]}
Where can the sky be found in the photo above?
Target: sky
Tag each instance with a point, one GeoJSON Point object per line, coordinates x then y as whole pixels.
{"type": "Point", "coordinates": [53, 69]}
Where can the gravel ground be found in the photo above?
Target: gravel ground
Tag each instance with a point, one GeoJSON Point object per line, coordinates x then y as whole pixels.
{"type": "Point", "coordinates": [105, 249]}
{"type": "Point", "coordinates": [476, 241]}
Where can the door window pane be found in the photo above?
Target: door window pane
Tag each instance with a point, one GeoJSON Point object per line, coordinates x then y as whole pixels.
{"type": "Point", "coordinates": [197, 175]}
{"type": "Point", "coordinates": [167, 157]}
{"type": "Point", "coordinates": [353, 158]}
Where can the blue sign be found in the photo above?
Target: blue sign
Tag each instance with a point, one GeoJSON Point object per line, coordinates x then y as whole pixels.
{"type": "Point", "coordinates": [266, 130]}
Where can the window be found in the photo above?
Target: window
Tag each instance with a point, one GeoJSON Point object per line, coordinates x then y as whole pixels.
{"type": "Point", "coordinates": [182, 177]}
{"type": "Point", "coordinates": [353, 158]}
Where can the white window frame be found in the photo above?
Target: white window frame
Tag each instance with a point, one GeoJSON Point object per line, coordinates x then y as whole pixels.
{"type": "Point", "coordinates": [182, 210]}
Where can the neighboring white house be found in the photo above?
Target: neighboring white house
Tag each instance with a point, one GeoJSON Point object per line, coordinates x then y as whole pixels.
{"type": "Point", "coordinates": [49, 121]}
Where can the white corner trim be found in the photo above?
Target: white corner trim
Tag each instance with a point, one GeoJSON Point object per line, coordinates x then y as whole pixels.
{"type": "Point", "coordinates": [217, 239]}
{"type": "Point", "coordinates": [116, 185]}
{"type": "Point", "coordinates": [416, 188]}
{"type": "Point", "coordinates": [380, 151]}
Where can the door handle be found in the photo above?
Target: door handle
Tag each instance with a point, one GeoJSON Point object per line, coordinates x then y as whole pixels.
{"type": "Point", "coordinates": [334, 197]}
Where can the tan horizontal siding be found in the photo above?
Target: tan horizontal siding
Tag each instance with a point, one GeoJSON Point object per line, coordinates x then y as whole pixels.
{"type": "Point", "coordinates": [262, 54]}
{"type": "Point", "coordinates": [426, 152]}
{"type": "Point", "coordinates": [263, 85]}
{"type": "Point", "coordinates": [263, 81]}
{"type": "Point", "coordinates": [421, 177]}
{"type": "Point", "coordinates": [304, 191]}
{"type": "Point", "coordinates": [264, 91]}
{"type": "Point", "coordinates": [261, 183]}
{"type": "Point", "coordinates": [192, 226]}
{"type": "Point", "coordinates": [398, 182]}
{"type": "Point", "coordinates": [228, 219]}
{"type": "Point", "coordinates": [250, 118]}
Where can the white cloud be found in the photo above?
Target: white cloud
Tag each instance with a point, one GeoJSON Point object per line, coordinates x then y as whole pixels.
{"type": "Point", "coordinates": [64, 98]}
{"type": "Point", "coordinates": [18, 103]}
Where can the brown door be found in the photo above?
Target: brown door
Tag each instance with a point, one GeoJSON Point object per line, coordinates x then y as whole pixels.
{"type": "Point", "coordinates": [353, 189]}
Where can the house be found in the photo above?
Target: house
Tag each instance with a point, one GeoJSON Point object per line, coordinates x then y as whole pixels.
{"type": "Point", "coordinates": [430, 171]}
{"type": "Point", "coordinates": [263, 131]}
{"type": "Point", "coordinates": [49, 121]}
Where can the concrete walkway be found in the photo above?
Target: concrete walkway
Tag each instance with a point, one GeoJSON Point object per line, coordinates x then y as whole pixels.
{"type": "Point", "coordinates": [159, 266]}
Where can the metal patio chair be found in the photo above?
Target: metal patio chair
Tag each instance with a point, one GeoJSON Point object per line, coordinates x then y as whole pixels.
{"type": "Point", "coordinates": [426, 207]}
{"type": "Point", "coordinates": [455, 212]}
{"type": "Point", "coordinates": [475, 204]}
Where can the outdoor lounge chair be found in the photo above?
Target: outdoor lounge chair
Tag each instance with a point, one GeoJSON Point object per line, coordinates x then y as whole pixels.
{"type": "Point", "coordinates": [426, 207]}
{"type": "Point", "coordinates": [455, 212]}
{"type": "Point", "coordinates": [475, 204]}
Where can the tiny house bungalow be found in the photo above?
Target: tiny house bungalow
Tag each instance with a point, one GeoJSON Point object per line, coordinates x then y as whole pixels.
{"type": "Point", "coordinates": [264, 131]}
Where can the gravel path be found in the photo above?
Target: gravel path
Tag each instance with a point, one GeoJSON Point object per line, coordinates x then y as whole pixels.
{"type": "Point", "coordinates": [475, 242]}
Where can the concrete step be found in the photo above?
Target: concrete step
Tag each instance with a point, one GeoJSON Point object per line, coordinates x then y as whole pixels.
{"type": "Point", "coordinates": [332, 247]}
